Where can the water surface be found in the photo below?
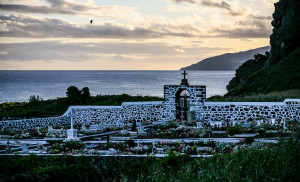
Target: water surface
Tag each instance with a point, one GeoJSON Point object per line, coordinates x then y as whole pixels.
{"type": "Point", "coordinates": [17, 86]}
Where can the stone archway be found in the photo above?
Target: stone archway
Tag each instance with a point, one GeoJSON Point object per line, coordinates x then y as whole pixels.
{"type": "Point", "coordinates": [182, 104]}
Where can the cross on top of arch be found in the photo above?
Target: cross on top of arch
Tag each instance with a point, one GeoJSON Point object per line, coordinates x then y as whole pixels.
{"type": "Point", "coordinates": [184, 74]}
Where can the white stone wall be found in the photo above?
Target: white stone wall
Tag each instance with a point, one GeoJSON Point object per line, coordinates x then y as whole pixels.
{"type": "Point", "coordinates": [164, 111]}
{"type": "Point", "coordinates": [105, 115]}
{"type": "Point", "coordinates": [238, 111]}
{"type": "Point", "coordinates": [34, 123]}
{"type": "Point", "coordinates": [118, 115]}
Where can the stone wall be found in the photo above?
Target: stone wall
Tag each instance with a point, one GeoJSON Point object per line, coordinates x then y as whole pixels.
{"type": "Point", "coordinates": [104, 115]}
{"type": "Point", "coordinates": [117, 115]}
{"type": "Point", "coordinates": [239, 111]}
{"type": "Point", "coordinates": [34, 123]}
{"type": "Point", "coordinates": [165, 111]}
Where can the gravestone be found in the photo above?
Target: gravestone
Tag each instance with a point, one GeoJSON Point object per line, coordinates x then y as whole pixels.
{"type": "Point", "coordinates": [199, 125]}
{"type": "Point", "coordinates": [190, 116]}
{"type": "Point", "coordinates": [141, 130]}
{"type": "Point", "coordinates": [24, 148]}
{"type": "Point", "coordinates": [284, 126]}
{"type": "Point", "coordinates": [133, 127]}
{"type": "Point", "coordinates": [72, 134]}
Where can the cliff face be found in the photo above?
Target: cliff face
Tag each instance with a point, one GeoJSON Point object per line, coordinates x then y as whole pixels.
{"type": "Point", "coordinates": [279, 70]}
{"type": "Point", "coordinates": [286, 32]}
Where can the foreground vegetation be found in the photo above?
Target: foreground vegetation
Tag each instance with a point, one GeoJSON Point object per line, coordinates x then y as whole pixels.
{"type": "Point", "coordinates": [36, 107]}
{"type": "Point", "coordinates": [272, 162]}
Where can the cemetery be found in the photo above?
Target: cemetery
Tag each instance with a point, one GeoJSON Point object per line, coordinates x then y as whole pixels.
{"type": "Point", "coordinates": [175, 139]}
{"type": "Point", "coordinates": [183, 124]}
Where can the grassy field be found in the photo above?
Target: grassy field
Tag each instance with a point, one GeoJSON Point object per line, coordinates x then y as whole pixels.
{"type": "Point", "coordinates": [276, 96]}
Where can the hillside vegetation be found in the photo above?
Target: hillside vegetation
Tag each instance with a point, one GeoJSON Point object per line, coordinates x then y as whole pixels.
{"type": "Point", "coordinates": [278, 70]}
{"type": "Point", "coordinates": [275, 96]}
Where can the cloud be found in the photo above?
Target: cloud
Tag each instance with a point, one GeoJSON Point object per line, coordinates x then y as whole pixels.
{"type": "Point", "coordinates": [114, 51]}
{"type": "Point", "coordinates": [261, 17]}
{"type": "Point", "coordinates": [250, 29]}
{"type": "Point", "coordinates": [74, 52]}
{"type": "Point", "coordinates": [36, 27]}
{"type": "Point", "coordinates": [21, 26]}
{"type": "Point", "coordinates": [68, 7]}
{"type": "Point", "coordinates": [214, 4]}
{"type": "Point", "coordinates": [33, 27]}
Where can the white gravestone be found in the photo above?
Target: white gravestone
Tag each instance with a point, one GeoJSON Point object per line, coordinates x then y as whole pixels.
{"type": "Point", "coordinates": [199, 125]}
{"type": "Point", "coordinates": [284, 126]}
{"type": "Point", "coordinates": [141, 129]}
{"type": "Point", "coordinates": [24, 148]}
{"type": "Point", "coordinates": [72, 133]}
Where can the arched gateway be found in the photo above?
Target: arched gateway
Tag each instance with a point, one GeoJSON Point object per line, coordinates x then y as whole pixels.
{"type": "Point", "coordinates": [185, 99]}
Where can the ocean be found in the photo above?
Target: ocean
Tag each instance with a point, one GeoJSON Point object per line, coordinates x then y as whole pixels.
{"type": "Point", "coordinates": [18, 86]}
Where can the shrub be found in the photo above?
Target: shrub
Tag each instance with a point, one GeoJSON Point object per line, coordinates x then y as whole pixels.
{"type": "Point", "coordinates": [129, 143]}
{"type": "Point", "coordinates": [249, 140]}
{"type": "Point", "coordinates": [7, 132]}
{"type": "Point", "coordinates": [56, 127]}
{"type": "Point", "coordinates": [236, 129]}
{"type": "Point", "coordinates": [68, 146]}
{"type": "Point", "coordinates": [170, 124]}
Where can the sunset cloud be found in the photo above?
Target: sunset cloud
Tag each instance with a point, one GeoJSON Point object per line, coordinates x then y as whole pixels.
{"type": "Point", "coordinates": [214, 4]}
{"type": "Point", "coordinates": [33, 27]}
{"type": "Point", "coordinates": [68, 7]}
{"type": "Point", "coordinates": [168, 33]}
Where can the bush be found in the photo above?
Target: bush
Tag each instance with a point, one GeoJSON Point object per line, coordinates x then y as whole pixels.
{"type": "Point", "coordinates": [129, 143]}
{"type": "Point", "coordinates": [7, 132]}
{"type": "Point", "coordinates": [57, 127]}
{"type": "Point", "coordinates": [170, 124]}
{"type": "Point", "coordinates": [236, 129]}
{"type": "Point", "coordinates": [67, 146]}
{"type": "Point", "coordinates": [249, 140]}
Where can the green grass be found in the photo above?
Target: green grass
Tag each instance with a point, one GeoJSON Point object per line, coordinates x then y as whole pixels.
{"type": "Point", "coordinates": [275, 96]}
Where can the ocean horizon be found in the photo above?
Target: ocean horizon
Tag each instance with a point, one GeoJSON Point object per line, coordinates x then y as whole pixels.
{"type": "Point", "coordinates": [19, 85]}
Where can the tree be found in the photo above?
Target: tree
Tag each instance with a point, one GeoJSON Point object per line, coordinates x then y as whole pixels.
{"type": "Point", "coordinates": [85, 93]}
{"type": "Point", "coordinates": [73, 91]}
{"type": "Point", "coordinates": [34, 98]}
{"type": "Point", "coordinates": [73, 95]}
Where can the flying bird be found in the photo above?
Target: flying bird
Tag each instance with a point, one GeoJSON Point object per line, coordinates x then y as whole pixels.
{"type": "Point", "coordinates": [91, 22]}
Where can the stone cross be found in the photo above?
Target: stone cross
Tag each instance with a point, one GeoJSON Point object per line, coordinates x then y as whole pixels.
{"type": "Point", "coordinates": [72, 115]}
{"type": "Point", "coordinates": [184, 73]}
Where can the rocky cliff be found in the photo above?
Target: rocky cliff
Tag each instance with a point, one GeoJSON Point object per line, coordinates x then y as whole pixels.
{"type": "Point", "coordinates": [279, 70]}
{"type": "Point", "coordinates": [285, 37]}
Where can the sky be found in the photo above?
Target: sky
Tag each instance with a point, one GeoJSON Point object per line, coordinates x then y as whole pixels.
{"type": "Point", "coordinates": [127, 34]}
